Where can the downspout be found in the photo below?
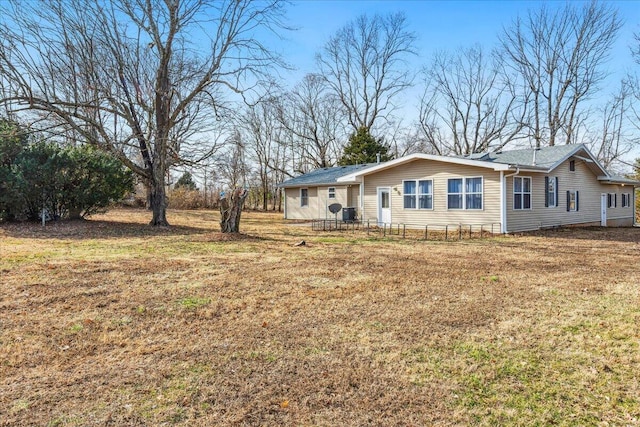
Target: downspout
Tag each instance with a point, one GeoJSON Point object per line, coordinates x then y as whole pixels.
{"type": "Point", "coordinates": [503, 199]}
{"type": "Point", "coordinates": [362, 199]}
{"type": "Point", "coordinates": [635, 203]}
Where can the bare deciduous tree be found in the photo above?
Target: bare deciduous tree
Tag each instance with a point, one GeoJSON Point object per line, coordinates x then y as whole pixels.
{"type": "Point", "coordinates": [128, 75]}
{"type": "Point", "coordinates": [559, 57]}
{"type": "Point", "coordinates": [611, 139]}
{"type": "Point", "coordinates": [231, 164]}
{"type": "Point", "coordinates": [314, 121]}
{"type": "Point", "coordinates": [469, 104]}
{"type": "Point", "coordinates": [262, 130]}
{"type": "Point", "coordinates": [364, 64]}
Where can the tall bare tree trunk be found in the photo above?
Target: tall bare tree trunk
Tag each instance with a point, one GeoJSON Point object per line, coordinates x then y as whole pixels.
{"type": "Point", "coordinates": [158, 203]}
{"type": "Point", "coordinates": [230, 210]}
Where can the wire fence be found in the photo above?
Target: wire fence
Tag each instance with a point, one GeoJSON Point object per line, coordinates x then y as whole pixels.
{"type": "Point", "coordinates": [444, 232]}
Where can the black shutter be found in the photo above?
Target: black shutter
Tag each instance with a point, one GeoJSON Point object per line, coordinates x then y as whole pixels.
{"type": "Point", "coordinates": [615, 200]}
{"type": "Point", "coordinates": [568, 201]}
{"type": "Point", "coordinates": [546, 191]}
{"type": "Point", "coordinates": [557, 195]}
{"type": "Point", "coordinates": [577, 201]}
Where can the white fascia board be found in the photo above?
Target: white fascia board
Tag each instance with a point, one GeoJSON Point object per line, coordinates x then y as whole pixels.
{"type": "Point", "coordinates": [419, 156]}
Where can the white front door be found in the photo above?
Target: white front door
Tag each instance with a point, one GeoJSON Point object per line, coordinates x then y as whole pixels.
{"type": "Point", "coordinates": [603, 209]}
{"type": "Point", "coordinates": [384, 205]}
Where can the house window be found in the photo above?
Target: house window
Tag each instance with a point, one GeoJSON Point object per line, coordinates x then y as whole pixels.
{"type": "Point", "coordinates": [464, 193]}
{"type": "Point", "coordinates": [304, 197]}
{"type": "Point", "coordinates": [425, 194]}
{"type": "Point", "coordinates": [573, 201]}
{"type": "Point", "coordinates": [551, 192]}
{"type": "Point", "coordinates": [612, 200]}
{"type": "Point", "coordinates": [332, 192]}
{"type": "Point", "coordinates": [473, 188]}
{"type": "Point", "coordinates": [521, 193]}
{"type": "Point", "coordinates": [409, 194]}
{"type": "Point", "coordinates": [572, 165]}
{"type": "Point", "coordinates": [626, 200]}
{"type": "Point", "coordinates": [418, 194]}
{"type": "Point", "coordinates": [454, 195]}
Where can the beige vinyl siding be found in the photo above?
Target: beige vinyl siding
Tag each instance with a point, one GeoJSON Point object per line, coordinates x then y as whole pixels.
{"type": "Point", "coordinates": [439, 172]}
{"type": "Point", "coordinates": [618, 215]}
{"type": "Point", "coordinates": [582, 180]}
{"type": "Point", "coordinates": [319, 202]}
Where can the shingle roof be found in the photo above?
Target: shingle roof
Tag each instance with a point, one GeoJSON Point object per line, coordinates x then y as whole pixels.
{"type": "Point", "coordinates": [323, 176]}
{"type": "Point", "coordinates": [545, 157]}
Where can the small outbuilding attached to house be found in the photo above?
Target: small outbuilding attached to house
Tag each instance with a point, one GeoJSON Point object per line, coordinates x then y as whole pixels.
{"type": "Point", "coordinates": [521, 190]}
{"type": "Point", "coordinates": [309, 196]}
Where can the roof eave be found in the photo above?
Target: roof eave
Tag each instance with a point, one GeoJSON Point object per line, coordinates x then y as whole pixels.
{"type": "Point", "coordinates": [528, 168]}
{"type": "Point", "coordinates": [619, 181]}
{"type": "Point", "coordinates": [309, 184]}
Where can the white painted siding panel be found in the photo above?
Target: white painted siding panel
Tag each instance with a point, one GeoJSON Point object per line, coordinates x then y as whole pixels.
{"type": "Point", "coordinates": [582, 180]}
{"type": "Point", "coordinates": [439, 172]}
{"type": "Point", "coordinates": [319, 202]}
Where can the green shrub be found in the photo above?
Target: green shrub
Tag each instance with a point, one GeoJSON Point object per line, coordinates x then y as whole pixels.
{"type": "Point", "coordinates": [71, 182]}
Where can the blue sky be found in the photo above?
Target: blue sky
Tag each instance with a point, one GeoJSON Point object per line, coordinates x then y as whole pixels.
{"type": "Point", "coordinates": [439, 25]}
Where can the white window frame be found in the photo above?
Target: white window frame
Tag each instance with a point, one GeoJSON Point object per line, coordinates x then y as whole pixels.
{"type": "Point", "coordinates": [416, 196]}
{"type": "Point", "coordinates": [522, 193]}
{"type": "Point", "coordinates": [464, 193]}
{"type": "Point", "coordinates": [331, 192]}
{"type": "Point", "coordinates": [461, 194]}
{"type": "Point", "coordinates": [424, 194]}
{"type": "Point", "coordinates": [612, 200]}
{"type": "Point", "coordinates": [304, 199]}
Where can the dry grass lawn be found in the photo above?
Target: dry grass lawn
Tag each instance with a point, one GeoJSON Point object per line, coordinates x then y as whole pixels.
{"type": "Point", "coordinates": [112, 322]}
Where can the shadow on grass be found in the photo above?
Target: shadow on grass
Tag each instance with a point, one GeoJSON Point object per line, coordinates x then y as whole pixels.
{"type": "Point", "coordinates": [607, 234]}
{"type": "Point", "coordinates": [100, 229]}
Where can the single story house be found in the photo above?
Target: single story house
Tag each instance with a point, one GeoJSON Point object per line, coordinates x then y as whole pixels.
{"type": "Point", "coordinates": [520, 190]}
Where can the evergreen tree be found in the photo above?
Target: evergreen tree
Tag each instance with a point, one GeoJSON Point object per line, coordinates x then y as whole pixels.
{"type": "Point", "coordinates": [13, 140]}
{"type": "Point", "coordinates": [71, 182]}
{"type": "Point", "coordinates": [364, 148]}
{"type": "Point", "coordinates": [186, 182]}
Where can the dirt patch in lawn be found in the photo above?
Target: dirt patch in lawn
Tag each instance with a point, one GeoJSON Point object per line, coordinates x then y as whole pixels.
{"type": "Point", "coordinates": [112, 322]}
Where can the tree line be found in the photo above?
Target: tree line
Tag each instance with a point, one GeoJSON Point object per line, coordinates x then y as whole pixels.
{"type": "Point", "coordinates": [129, 78]}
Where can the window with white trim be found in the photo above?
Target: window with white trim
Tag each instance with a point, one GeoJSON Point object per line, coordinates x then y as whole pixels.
{"type": "Point", "coordinates": [409, 188]}
{"type": "Point", "coordinates": [425, 194]}
{"type": "Point", "coordinates": [522, 192]}
{"type": "Point", "coordinates": [332, 192]}
{"type": "Point", "coordinates": [626, 200]}
{"type": "Point", "coordinates": [304, 197]}
{"type": "Point", "coordinates": [612, 200]}
{"type": "Point", "coordinates": [464, 193]}
{"type": "Point", "coordinates": [418, 194]}
{"type": "Point", "coordinates": [454, 194]}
